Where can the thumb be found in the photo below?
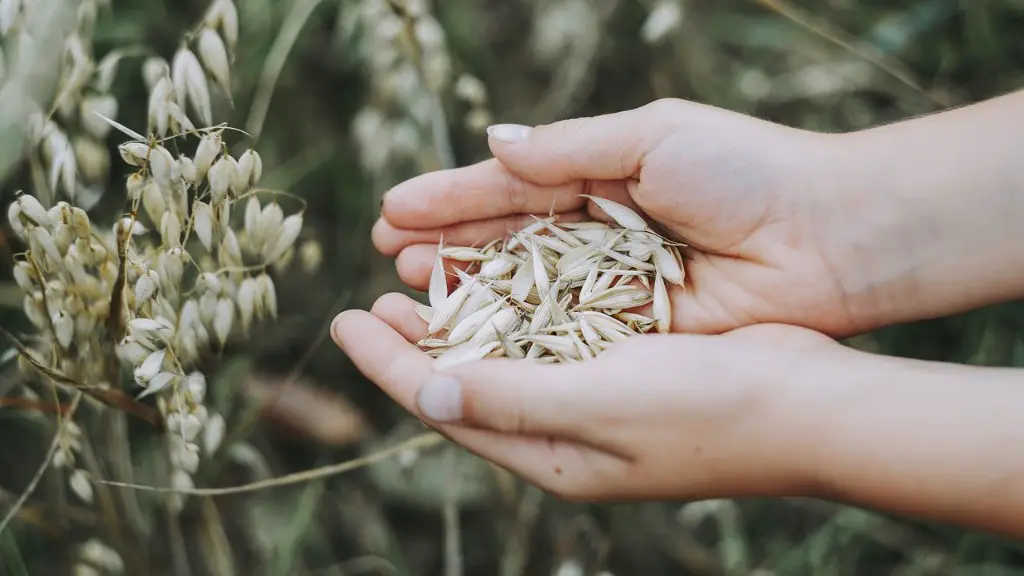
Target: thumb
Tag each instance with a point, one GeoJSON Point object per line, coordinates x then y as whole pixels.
{"type": "Point", "coordinates": [522, 398]}
{"type": "Point", "coordinates": [608, 147]}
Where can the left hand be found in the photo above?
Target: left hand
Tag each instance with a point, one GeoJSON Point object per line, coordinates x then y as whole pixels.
{"type": "Point", "coordinates": [653, 417]}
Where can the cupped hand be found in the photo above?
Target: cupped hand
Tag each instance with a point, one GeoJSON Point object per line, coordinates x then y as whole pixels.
{"type": "Point", "coordinates": [755, 200]}
{"type": "Point", "coordinates": [653, 417]}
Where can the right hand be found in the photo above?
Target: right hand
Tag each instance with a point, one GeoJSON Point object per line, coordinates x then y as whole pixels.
{"type": "Point", "coordinates": [756, 201]}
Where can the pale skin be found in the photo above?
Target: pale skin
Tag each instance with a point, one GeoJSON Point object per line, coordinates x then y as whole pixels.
{"type": "Point", "coordinates": [799, 238]}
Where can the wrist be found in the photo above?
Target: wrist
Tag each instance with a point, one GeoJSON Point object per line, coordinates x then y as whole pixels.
{"type": "Point", "coordinates": [832, 393]}
{"type": "Point", "coordinates": [781, 432]}
{"type": "Point", "coordinates": [924, 214]}
{"type": "Point", "coordinates": [804, 405]}
{"type": "Point", "coordinates": [923, 439]}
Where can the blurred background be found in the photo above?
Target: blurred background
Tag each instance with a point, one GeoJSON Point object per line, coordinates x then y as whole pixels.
{"type": "Point", "coordinates": [345, 98]}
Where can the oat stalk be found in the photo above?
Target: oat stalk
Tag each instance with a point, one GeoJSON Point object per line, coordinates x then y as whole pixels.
{"type": "Point", "coordinates": [419, 442]}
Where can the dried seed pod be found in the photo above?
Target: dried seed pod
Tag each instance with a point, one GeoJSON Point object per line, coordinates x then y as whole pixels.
{"type": "Point", "coordinates": [449, 307]}
{"type": "Point", "coordinates": [257, 168]}
{"type": "Point", "coordinates": [135, 184]}
{"type": "Point", "coordinates": [497, 267]}
{"type": "Point", "coordinates": [24, 275]}
{"type": "Point", "coordinates": [523, 281]}
{"type": "Point", "coordinates": [134, 153]}
{"type": "Point", "coordinates": [244, 173]}
{"type": "Point", "coordinates": [188, 171]}
{"type": "Point", "coordinates": [190, 84]}
{"type": "Point", "coordinates": [148, 327]}
{"type": "Point", "coordinates": [501, 322]}
{"type": "Point", "coordinates": [622, 215]}
{"type": "Point", "coordinates": [40, 242]}
{"type": "Point", "coordinates": [270, 220]}
{"type": "Point", "coordinates": [223, 15]}
{"type": "Point", "coordinates": [63, 327]}
{"type": "Point", "coordinates": [253, 222]}
{"type": "Point", "coordinates": [465, 330]}
{"type": "Point", "coordinates": [213, 433]}
{"type": "Point", "coordinates": [150, 367]}
{"type": "Point", "coordinates": [203, 222]}
{"type": "Point", "coordinates": [95, 553]}
{"type": "Point", "coordinates": [14, 215]}
{"type": "Point", "coordinates": [170, 229]}
{"type": "Point", "coordinates": [81, 485]}
{"type": "Point", "coordinates": [221, 177]}
{"type": "Point", "coordinates": [146, 287]}
{"type": "Point", "coordinates": [80, 222]}
{"type": "Point", "coordinates": [63, 237]}
{"type": "Point", "coordinates": [188, 457]}
{"type": "Point", "coordinates": [667, 264]}
{"type": "Point", "coordinates": [158, 383]}
{"type": "Point", "coordinates": [438, 288]}
{"type": "Point", "coordinates": [246, 302]}
{"type": "Point", "coordinates": [662, 307]}
{"type": "Point", "coordinates": [190, 427]}
{"type": "Point", "coordinates": [163, 167]}
{"type": "Point", "coordinates": [33, 210]}
{"type": "Point", "coordinates": [268, 295]}
{"type": "Point", "coordinates": [215, 58]}
{"type": "Point", "coordinates": [289, 232]}
{"type": "Point", "coordinates": [153, 201]}
{"type": "Point", "coordinates": [223, 319]}
{"type": "Point", "coordinates": [230, 251]}
{"type": "Point", "coordinates": [208, 282]}
{"type": "Point", "coordinates": [209, 148]}
{"type": "Point", "coordinates": [223, 213]}
{"type": "Point", "coordinates": [160, 98]}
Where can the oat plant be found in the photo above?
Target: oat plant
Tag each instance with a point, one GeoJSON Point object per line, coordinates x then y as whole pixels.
{"type": "Point", "coordinates": [125, 312]}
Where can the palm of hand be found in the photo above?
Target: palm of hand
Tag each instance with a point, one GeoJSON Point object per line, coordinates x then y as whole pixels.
{"type": "Point", "coordinates": [575, 429]}
{"type": "Point", "coordinates": [737, 190]}
{"type": "Point", "coordinates": [751, 217]}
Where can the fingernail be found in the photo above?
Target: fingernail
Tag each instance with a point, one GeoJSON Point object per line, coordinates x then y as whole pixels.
{"type": "Point", "coordinates": [440, 399]}
{"type": "Point", "coordinates": [334, 327]}
{"type": "Point", "coordinates": [510, 133]}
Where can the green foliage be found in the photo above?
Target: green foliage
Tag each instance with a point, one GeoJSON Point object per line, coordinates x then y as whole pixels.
{"type": "Point", "coordinates": [736, 54]}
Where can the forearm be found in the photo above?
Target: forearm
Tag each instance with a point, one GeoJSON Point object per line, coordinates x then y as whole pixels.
{"type": "Point", "coordinates": [930, 440]}
{"type": "Point", "coordinates": [933, 213]}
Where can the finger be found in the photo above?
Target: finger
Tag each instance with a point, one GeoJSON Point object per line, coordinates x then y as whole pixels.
{"type": "Point", "coordinates": [608, 147]}
{"type": "Point", "coordinates": [399, 311]}
{"type": "Point", "coordinates": [398, 367]}
{"type": "Point", "coordinates": [390, 239]}
{"type": "Point", "coordinates": [414, 265]}
{"type": "Point", "coordinates": [382, 355]}
{"type": "Point", "coordinates": [513, 397]}
{"type": "Point", "coordinates": [478, 192]}
{"type": "Point", "coordinates": [410, 261]}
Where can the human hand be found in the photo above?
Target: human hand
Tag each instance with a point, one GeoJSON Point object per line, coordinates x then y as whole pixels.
{"type": "Point", "coordinates": [653, 417]}
{"type": "Point", "coordinates": [753, 198]}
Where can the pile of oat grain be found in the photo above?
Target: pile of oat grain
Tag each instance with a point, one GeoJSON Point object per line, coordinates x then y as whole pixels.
{"type": "Point", "coordinates": [553, 292]}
